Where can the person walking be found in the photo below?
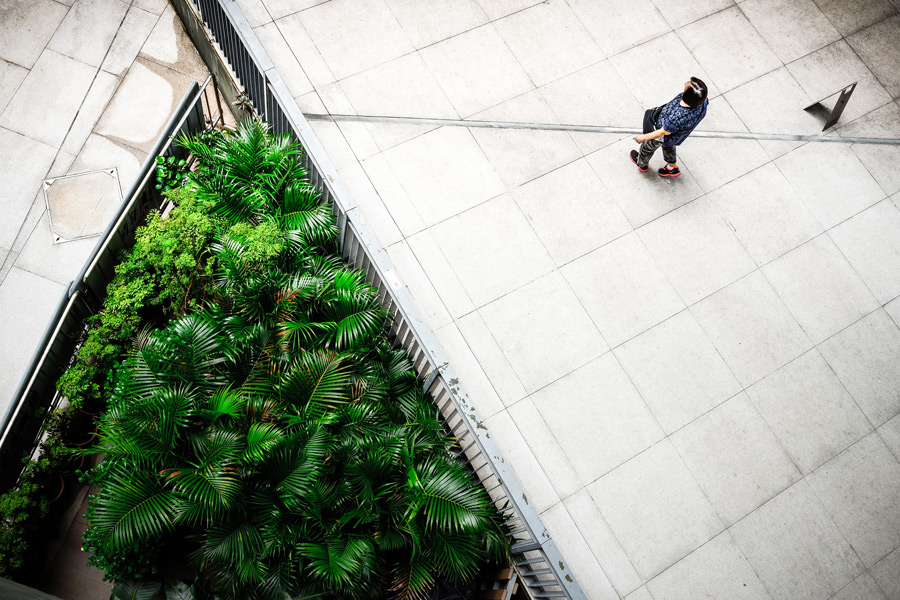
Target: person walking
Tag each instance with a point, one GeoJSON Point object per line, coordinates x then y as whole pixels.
{"type": "Point", "coordinates": [669, 125]}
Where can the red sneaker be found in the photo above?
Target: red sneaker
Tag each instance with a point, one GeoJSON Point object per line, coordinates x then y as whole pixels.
{"type": "Point", "coordinates": [669, 171]}
{"type": "Point", "coordinates": [634, 157]}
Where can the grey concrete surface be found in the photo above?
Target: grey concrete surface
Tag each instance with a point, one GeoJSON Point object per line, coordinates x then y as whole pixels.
{"type": "Point", "coordinates": [696, 380]}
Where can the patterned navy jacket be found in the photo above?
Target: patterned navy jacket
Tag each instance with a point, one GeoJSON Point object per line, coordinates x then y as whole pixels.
{"type": "Point", "coordinates": [679, 121]}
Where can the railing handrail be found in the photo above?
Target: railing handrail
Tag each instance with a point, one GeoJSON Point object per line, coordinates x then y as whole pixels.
{"type": "Point", "coordinates": [400, 302]}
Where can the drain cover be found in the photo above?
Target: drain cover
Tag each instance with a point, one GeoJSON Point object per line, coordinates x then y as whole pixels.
{"type": "Point", "coordinates": [81, 205]}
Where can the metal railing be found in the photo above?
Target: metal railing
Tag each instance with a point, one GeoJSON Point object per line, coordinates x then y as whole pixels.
{"type": "Point", "coordinates": [20, 426]}
{"type": "Point", "coordinates": [227, 36]}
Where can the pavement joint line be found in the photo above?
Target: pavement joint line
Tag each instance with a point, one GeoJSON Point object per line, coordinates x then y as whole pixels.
{"type": "Point", "coordinates": [740, 135]}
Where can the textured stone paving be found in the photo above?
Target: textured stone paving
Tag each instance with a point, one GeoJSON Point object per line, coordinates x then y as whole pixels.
{"type": "Point", "coordinates": [696, 380]}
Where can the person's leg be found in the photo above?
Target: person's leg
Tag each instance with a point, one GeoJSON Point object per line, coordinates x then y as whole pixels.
{"type": "Point", "coordinates": [671, 169]}
{"type": "Point", "coordinates": [647, 150]}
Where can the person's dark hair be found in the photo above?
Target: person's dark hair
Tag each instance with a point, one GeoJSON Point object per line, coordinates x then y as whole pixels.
{"type": "Point", "coordinates": [695, 94]}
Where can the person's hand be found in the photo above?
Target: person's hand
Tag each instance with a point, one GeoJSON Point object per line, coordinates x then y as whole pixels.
{"type": "Point", "coordinates": [640, 139]}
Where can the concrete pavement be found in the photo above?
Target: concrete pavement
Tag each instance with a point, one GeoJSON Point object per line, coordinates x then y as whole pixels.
{"type": "Point", "coordinates": [696, 380]}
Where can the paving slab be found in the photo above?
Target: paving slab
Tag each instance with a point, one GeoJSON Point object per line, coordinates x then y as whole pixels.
{"type": "Point", "coordinates": [96, 101]}
{"type": "Point", "coordinates": [863, 587]}
{"type": "Point", "coordinates": [56, 83]}
{"type": "Point", "coordinates": [612, 280]}
{"type": "Point", "coordinates": [547, 449]}
{"type": "Point", "coordinates": [25, 161]}
{"type": "Point", "coordinates": [495, 364]}
{"type": "Point", "coordinates": [538, 354]}
{"type": "Point", "coordinates": [597, 431]}
{"type": "Point", "coordinates": [11, 76]}
{"type": "Point", "coordinates": [27, 27]}
{"type": "Point", "coordinates": [880, 161]}
{"type": "Point", "coordinates": [879, 46]}
{"type": "Point", "coordinates": [88, 30]}
{"type": "Point", "coordinates": [777, 22]}
{"type": "Point", "coordinates": [677, 370]}
{"type": "Point", "coordinates": [284, 60]}
{"type": "Point", "coordinates": [850, 18]}
{"type": "Point", "coordinates": [169, 45]}
{"type": "Point", "coordinates": [602, 18]}
{"type": "Point", "coordinates": [425, 26]}
{"type": "Point", "coordinates": [795, 548]}
{"type": "Point", "coordinates": [679, 13]}
{"type": "Point", "coordinates": [130, 36]}
{"type": "Point", "coordinates": [656, 509]}
{"type": "Point", "coordinates": [32, 299]}
{"type": "Point", "coordinates": [860, 356]}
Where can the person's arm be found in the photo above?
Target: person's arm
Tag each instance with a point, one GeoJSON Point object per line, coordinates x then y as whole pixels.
{"type": "Point", "coordinates": [640, 139]}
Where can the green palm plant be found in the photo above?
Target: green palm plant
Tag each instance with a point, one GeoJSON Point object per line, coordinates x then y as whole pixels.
{"type": "Point", "coordinates": [274, 439]}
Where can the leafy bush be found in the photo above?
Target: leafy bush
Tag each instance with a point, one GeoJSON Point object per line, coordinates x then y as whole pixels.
{"type": "Point", "coordinates": [22, 513]}
{"type": "Point", "coordinates": [270, 431]}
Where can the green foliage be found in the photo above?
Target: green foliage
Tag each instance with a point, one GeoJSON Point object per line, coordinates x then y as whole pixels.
{"type": "Point", "coordinates": [270, 431]}
{"type": "Point", "coordinates": [22, 513]}
{"type": "Point", "coordinates": [169, 173]}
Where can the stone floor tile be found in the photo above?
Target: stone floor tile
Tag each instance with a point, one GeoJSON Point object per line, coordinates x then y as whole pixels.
{"type": "Point", "coordinates": [679, 13]}
{"type": "Point", "coordinates": [305, 50]}
{"type": "Point", "coordinates": [355, 35]}
{"type": "Point", "coordinates": [541, 494]}
{"type": "Point", "coordinates": [157, 7]}
{"type": "Point", "coordinates": [656, 509]}
{"type": "Point", "coordinates": [419, 286]}
{"type": "Point", "coordinates": [677, 371]}
{"type": "Point", "coordinates": [893, 309]}
{"type": "Point", "coordinates": [887, 574]}
{"type": "Point", "coordinates": [616, 278]}
{"type": "Point", "coordinates": [547, 449]}
{"type": "Point", "coordinates": [11, 76]}
{"type": "Point", "coordinates": [862, 357]}
{"type": "Point", "coordinates": [284, 60]}
{"type": "Point", "coordinates": [521, 155]}
{"type": "Point", "coordinates": [879, 47]}
{"type": "Point", "coordinates": [492, 250]}
{"type": "Point", "coordinates": [61, 164]}
{"type": "Point", "coordinates": [850, 17]}
{"type": "Point", "coordinates": [820, 288]}
{"type": "Point", "coordinates": [549, 41]}
{"type": "Point", "coordinates": [99, 152]}
{"type": "Point", "coordinates": [334, 143]}
{"type": "Point", "coordinates": [728, 48]}
{"type": "Point", "coordinates": [283, 8]}
{"type": "Point", "coordinates": [595, 95]}
{"type": "Point", "coordinates": [88, 30]}
{"type": "Point", "coordinates": [311, 103]}
{"type": "Point", "coordinates": [825, 72]}
{"type": "Point", "coordinates": [402, 87]}
{"type": "Point", "coordinates": [142, 105]}
{"type": "Point", "coordinates": [25, 162]}
{"type": "Point", "coordinates": [834, 194]}
{"type": "Point", "coordinates": [58, 84]}
{"type": "Point", "coordinates": [643, 197]}
{"type": "Point", "coordinates": [571, 211]}
{"type": "Point", "coordinates": [881, 161]}
{"type": "Point", "coordinates": [667, 49]}
{"type": "Point", "coordinates": [735, 458]}
{"type": "Point", "coordinates": [809, 411]}
{"type": "Point", "coordinates": [717, 569]}
{"type": "Point", "coordinates": [795, 548]}
{"type": "Point", "coordinates": [170, 46]}
{"type": "Point", "coordinates": [425, 26]}
{"type": "Point", "coordinates": [639, 594]}
{"type": "Point", "coordinates": [604, 545]}
{"type": "Point", "coordinates": [97, 99]}
{"type": "Point", "coordinates": [370, 204]}
{"type": "Point", "coordinates": [774, 103]}
{"type": "Point", "coordinates": [715, 162]}
{"type": "Point", "coordinates": [433, 261]}
{"type": "Point", "coordinates": [859, 488]}
{"type": "Point", "coordinates": [476, 70]}
{"type": "Point", "coordinates": [765, 213]}
{"type": "Point", "coordinates": [584, 566]}
{"type": "Point", "coordinates": [27, 27]}
{"type": "Point", "coordinates": [429, 166]}
{"type": "Point", "coordinates": [751, 327]}
{"type": "Point", "coordinates": [863, 587]}
{"type": "Point", "coordinates": [399, 206]}
{"type": "Point", "coordinates": [871, 242]}
{"type": "Point", "coordinates": [491, 358]}
{"type": "Point", "coordinates": [32, 299]}
{"type": "Point", "coordinates": [603, 19]}
{"type": "Point", "coordinates": [696, 250]}
{"type": "Point", "coordinates": [128, 41]}
{"type": "Point", "coordinates": [478, 388]}
{"type": "Point", "coordinates": [496, 9]}
{"type": "Point", "coordinates": [777, 22]}
{"type": "Point", "coordinates": [598, 418]}
{"type": "Point", "coordinates": [558, 339]}
{"type": "Point", "coordinates": [255, 12]}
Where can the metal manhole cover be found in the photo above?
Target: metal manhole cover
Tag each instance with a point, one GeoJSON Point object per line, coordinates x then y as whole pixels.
{"type": "Point", "coordinates": [81, 205]}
